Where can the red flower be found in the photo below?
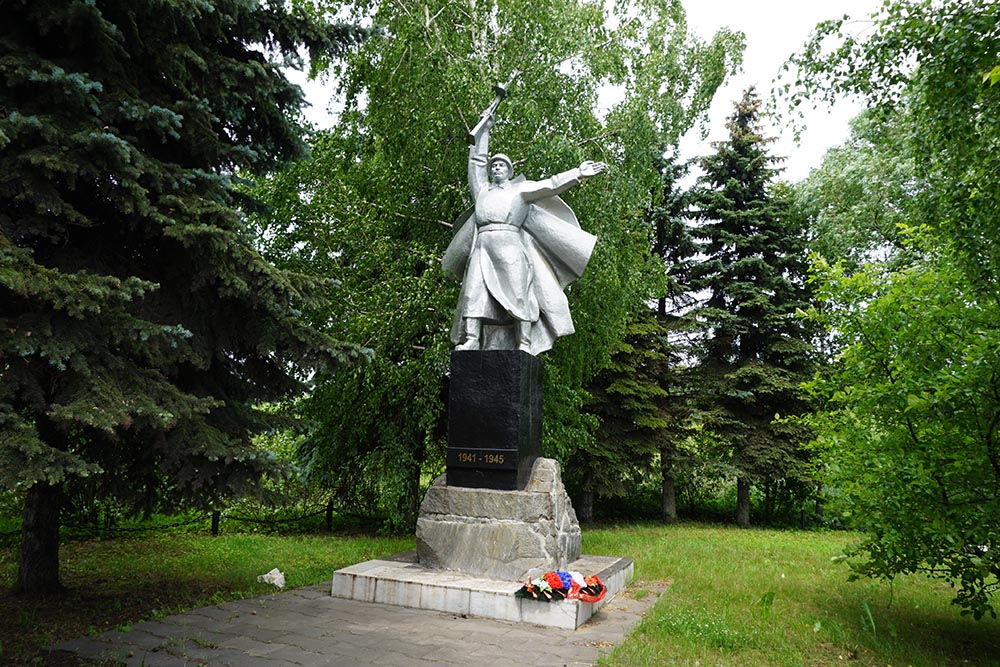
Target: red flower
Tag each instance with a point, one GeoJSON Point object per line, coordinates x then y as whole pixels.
{"type": "Point", "coordinates": [553, 580]}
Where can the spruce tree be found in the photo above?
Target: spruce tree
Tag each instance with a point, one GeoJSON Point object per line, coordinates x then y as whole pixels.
{"type": "Point", "coordinates": [676, 248]}
{"type": "Point", "coordinates": [643, 397]}
{"type": "Point", "coordinates": [627, 398]}
{"type": "Point", "coordinates": [138, 326]}
{"type": "Point", "coordinates": [754, 351]}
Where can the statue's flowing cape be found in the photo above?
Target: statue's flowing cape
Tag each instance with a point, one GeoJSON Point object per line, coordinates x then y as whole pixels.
{"type": "Point", "coordinates": [558, 250]}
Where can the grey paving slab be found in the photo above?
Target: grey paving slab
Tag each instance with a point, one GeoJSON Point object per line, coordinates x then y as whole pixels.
{"type": "Point", "coordinates": [307, 627]}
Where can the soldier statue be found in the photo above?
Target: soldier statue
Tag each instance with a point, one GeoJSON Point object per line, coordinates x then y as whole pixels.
{"type": "Point", "coordinates": [516, 251]}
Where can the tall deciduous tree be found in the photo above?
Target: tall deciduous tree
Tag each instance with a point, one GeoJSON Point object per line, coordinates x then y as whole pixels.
{"type": "Point", "coordinates": [137, 323]}
{"type": "Point", "coordinates": [931, 63]}
{"type": "Point", "coordinates": [858, 198]}
{"type": "Point", "coordinates": [386, 185]}
{"type": "Point", "coordinates": [912, 429]}
{"type": "Point", "coordinates": [755, 351]}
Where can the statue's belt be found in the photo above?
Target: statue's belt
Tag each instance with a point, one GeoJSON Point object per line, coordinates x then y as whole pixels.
{"type": "Point", "coordinates": [499, 227]}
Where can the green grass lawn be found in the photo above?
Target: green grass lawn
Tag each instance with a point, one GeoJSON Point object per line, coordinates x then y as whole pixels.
{"type": "Point", "coordinates": [735, 597]}
{"type": "Point", "coordinates": [767, 598]}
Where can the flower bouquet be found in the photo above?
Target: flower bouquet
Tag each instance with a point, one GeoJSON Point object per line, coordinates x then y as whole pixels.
{"type": "Point", "coordinates": [558, 585]}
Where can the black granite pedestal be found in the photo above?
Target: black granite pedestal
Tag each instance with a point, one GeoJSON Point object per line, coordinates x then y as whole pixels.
{"type": "Point", "coordinates": [494, 418]}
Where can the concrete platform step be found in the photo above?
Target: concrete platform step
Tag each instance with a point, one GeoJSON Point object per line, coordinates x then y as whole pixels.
{"type": "Point", "coordinates": [401, 581]}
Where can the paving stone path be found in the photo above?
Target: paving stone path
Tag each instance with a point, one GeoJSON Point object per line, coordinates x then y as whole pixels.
{"type": "Point", "coordinates": [306, 627]}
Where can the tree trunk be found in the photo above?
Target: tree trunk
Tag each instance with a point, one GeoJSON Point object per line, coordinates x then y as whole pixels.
{"type": "Point", "coordinates": [767, 508]}
{"type": "Point", "coordinates": [409, 501]}
{"type": "Point", "coordinates": [742, 502]}
{"type": "Point", "coordinates": [669, 500]}
{"type": "Point", "coordinates": [38, 571]}
{"type": "Point", "coordinates": [669, 513]}
{"type": "Point", "coordinates": [585, 512]}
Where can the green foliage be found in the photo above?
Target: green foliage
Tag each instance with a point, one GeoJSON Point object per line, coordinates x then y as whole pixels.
{"type": "Point", "coordinates": [676, 249]}
{"type": "Point", "coordinates": [992, 76]}
{"type": "Point", "coordinates": [138, 325]}
{"type": "Point", "coordinates": [911, 431]}
{"type": "Point", "coordinates": [858, 198]}
{"type": "Point", "coordinates": [626, 396]}
{"type": "Point", "coordinates": [927, 58]}
{"type": "Point", "coordinates": [912, 424]}
{"type": "Point", "coordinates": [374, 206]}
{"type": "Point", "coordinates": [754, 350]}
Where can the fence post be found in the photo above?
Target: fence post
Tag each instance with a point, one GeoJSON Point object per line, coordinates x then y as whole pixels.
{"type": "Point", "coordinates": [215, 522]}
{"type": "Point", "coordinates": [329, 516]}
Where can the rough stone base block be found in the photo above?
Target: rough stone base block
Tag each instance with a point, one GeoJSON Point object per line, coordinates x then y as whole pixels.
{"type": "Point", "coordinates": [499, 534]}
{"type": "Point", "coordinates": [401, 581]}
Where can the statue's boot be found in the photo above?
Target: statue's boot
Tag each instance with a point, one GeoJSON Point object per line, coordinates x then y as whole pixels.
{"type": "Point", "coordinates": [473, 332]}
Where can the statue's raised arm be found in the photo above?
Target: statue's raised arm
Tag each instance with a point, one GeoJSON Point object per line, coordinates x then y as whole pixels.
{"type": "Point", "coordinates": [479, 156]}
{"type": "Point", "coordinates": [516, 251]}
{"type": "Point", "coordinates": [486, 118]}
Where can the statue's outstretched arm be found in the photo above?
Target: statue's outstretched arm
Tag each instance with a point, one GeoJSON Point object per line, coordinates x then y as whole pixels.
{"type": "Point", "coordinates": [590, 168]}
{"type": "Point", "coordinates": [560, 183]}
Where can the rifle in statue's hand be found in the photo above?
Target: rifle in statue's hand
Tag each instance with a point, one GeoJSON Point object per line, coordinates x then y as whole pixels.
{"type": "Point", "coordinates": [501, 92]}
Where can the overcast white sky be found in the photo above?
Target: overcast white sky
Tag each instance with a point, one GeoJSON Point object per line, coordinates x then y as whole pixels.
{"type": "Point", "coordinates": [774, 30]}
